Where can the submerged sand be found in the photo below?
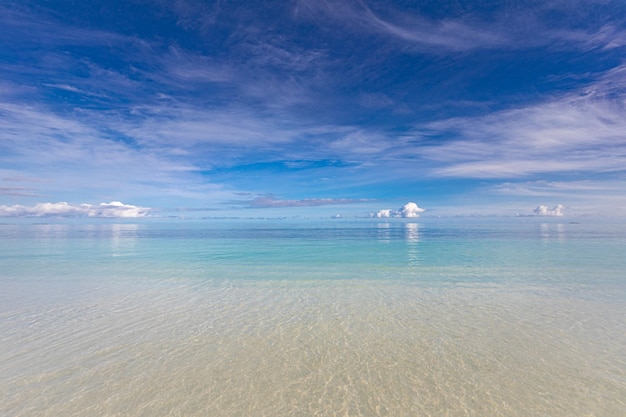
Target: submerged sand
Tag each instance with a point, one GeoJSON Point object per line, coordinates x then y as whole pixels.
{"type": "Point", "coordinates": [316, 348]}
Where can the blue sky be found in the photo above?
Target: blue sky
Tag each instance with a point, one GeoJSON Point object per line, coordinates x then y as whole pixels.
{"type": "Point", "coordinates": [311, 108]}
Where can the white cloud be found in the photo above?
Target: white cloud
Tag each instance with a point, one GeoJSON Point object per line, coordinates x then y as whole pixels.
{"type": "Point", "coordinates": [84, 155]}
{"type": "Point", "coordinates": [543, 210]}
{"type": "Point", "coordinates": [409, 210]}
{"type": "Point", "coordinates": [384, 213]}
{"type": "Point", "coordinates": [114, 209]}
{"type": "Point", "coordinates": [573, 133]}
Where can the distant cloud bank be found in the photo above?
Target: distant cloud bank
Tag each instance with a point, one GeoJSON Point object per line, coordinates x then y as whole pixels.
{"type": "Point", "coordinates": [114, 209]}
{"type": "Point", "coordinates": [409, 210]}
{"type": "Point", "coordinates": [543, 210]}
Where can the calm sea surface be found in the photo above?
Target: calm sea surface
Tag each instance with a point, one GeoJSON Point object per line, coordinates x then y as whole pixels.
{"type": "Point", "coordinates": [441, 317]}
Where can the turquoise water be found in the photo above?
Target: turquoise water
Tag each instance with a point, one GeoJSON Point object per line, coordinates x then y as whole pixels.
{"type": "Point", "coordinates": [441, 317]}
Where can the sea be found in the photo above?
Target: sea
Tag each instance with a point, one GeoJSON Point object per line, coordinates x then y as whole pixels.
{"type": "Point", "coordinates": [518, 316]}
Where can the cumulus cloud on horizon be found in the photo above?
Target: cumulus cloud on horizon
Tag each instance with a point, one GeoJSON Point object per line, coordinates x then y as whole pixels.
{"type": "Point", "coordinates": [409, 210]}
{"type": "Point", "coordinates": [114, 209]}
{"type": "Point", "coordinates": [543, 210]}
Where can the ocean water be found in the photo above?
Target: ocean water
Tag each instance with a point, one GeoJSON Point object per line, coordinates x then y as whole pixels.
{"type": "Point", "coordinates": [441, 317]}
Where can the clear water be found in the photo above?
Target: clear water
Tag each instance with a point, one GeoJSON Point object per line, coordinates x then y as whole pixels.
{"type": "Point", "coordinates": [508, 317]}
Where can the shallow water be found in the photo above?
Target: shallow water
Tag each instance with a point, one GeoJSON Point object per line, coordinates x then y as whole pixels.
{"type": "Point", "coordinates": [440, 318]}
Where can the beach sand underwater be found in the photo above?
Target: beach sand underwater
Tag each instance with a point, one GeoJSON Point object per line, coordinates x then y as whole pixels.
{"type": "Point", "coordinates": [515, 317]}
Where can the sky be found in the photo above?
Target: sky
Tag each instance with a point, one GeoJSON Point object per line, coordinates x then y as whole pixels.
{"type": "Point", "coordinates": [198, 108]}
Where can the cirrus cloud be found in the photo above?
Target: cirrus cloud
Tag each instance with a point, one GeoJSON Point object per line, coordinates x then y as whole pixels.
{"type": "Point", "coordinates": [573, 133]}
{"type": "Point", "coordinates": [306, 202]}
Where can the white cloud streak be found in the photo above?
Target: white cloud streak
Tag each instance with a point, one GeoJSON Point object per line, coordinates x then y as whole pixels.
{"type": "Point", "coordinates": [576, 133]}
{"type": "Point", "coordinates": [413, 29]}
{"type": "Point", "coordinates": [34, 28]}
{"type": "Point", "coordinates": [267, 202]}
{"type": "Point", "coordinates": [85, 154]}
{"type": "Point", "coordinates": [523, 29]}
{"type": "Point", "coordinates": [588, 188]}
{"type": "Point", "coordinates": [185, 127]}
{"type": "Point", "coordinates": [17, 191]}
{"type": "Point", "coordinates": [453, 35]}
{"type": "Point", "coordinates": [114, 209]}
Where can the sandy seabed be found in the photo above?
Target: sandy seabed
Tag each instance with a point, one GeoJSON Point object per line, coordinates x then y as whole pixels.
{"type": "Point", "coordinates": [345, 348]}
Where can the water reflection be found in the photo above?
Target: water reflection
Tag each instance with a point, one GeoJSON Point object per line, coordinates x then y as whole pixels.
{"type": "Point", "coordinates": [551, 232]}
{"type": "Point", "coordinates": [411, 232]}
{"type": "Point", "coordinates": [412, 237]}
{"type": "Point", "coordinates": [384, 232]}
{"type": "Point", "coordinates": [123, 239]}
{"type": "Point", "coordinates": [46, 231]}
{"type": "Point", "coordinates": [49, 238]}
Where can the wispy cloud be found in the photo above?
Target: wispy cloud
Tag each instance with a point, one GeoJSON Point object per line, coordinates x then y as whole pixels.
{"type": "Point", "coordinates": [194, 15]}
{"type": "Point", "coordinates": [18, 192]}
{"type": "Point", "coordinates": [411, 28]}
{"type": "Point", "coordinates": [35, 28]}
{"type": "Point", "coordinates": [449, 34]}
{"type": "Point", "coordinates": [526, 27]}
{"type": "Point", "coordinates": [267, 202]}
{"type": "Point", "coordinates": [606, 37]}
{"type": "Point", "coordinates": [87, 154]}
{"type": "Point", "coordinates": [360, 143]}
{"type": "Point", "coordinates": [14, 185]}
{"type": "Point", "coordinates": [588, 189]}
{"type": "Point", "coordinates": [185, 69]}
{"type": "Point", "coordinates": [186, 126]}
{"type": "Point", "coordinates": [114, 209]}
{"type": "Point", "coordinates": [575, 133]}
